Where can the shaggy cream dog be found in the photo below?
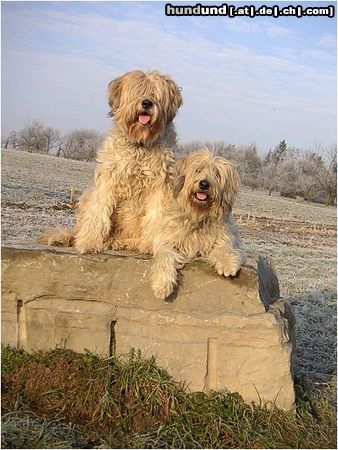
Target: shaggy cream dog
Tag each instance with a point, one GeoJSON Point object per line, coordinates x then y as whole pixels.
{"type": "Point", "coordinates": [197, 221]}
{"type": "Point", "coordinates": [133, 162]}
{"type": "Point", "coordinates": [190, 216]}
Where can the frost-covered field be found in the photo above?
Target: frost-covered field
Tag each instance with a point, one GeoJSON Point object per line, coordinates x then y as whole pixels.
{"type": "Point", "coordinates": [299, 238]}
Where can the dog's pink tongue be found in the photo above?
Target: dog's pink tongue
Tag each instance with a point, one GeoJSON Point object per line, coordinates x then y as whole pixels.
{"type": "Point", "coordinates": [201, 195]}
{"type": "Point", "coordinates": [144, 119]}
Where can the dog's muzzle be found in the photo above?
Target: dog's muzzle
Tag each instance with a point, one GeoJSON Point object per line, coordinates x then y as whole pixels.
{"type": "Point", "coordinates": [145, 118]}
{"type": "Point", "coordinates": [201, 195]}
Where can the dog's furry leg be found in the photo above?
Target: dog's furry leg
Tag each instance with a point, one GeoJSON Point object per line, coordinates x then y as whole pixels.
{"type": "Point", "coordinates": [94, 219]}
{"type": "Point", "coordinates": [59, 237]}
{"type": "Point", "coordinates": [226, 255]}
{"type": "Point", "coordinates": [164, 272]}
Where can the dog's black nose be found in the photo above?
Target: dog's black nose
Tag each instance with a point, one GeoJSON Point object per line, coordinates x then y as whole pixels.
{"type": "Point", "coordinates": [204, 184]}
{"type": "Point", "coordinates": [147, 104]}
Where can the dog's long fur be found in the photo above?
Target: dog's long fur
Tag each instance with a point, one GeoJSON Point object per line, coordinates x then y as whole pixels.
{"type": "Point", "coordinates": [178, 226]}
{"type": "Point", "coordinates": [133, 162]}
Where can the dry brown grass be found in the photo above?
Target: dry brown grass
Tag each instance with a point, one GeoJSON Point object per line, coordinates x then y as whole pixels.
{"type": "Point", "coordinates": [259, 204]}
{"type": "Point", "coordinates": [36, 179]}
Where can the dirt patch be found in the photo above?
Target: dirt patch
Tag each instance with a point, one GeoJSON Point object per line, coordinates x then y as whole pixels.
{"type": "Point", "coordinates": [86, 390]}
{"type": "Point", "coordinates": [290, 227]}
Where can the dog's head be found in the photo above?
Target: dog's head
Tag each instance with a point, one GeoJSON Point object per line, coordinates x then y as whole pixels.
{"type": "Point", "coordinates": [143, 104]}
{"type": "Point", "coordinates": [205, 185]}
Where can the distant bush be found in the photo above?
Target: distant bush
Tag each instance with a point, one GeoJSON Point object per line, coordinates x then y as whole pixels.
{"type": "Point", "coordinates": [81, 144]}
{"type": "Point", "coordinates": [294, 173]}
{"type": "Point", "coordinates": [35, 137]}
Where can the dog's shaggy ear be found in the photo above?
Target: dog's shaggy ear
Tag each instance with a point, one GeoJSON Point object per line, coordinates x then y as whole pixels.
{"type": "Point", "coordinates": [175, 97]}
{"type": "Point", "coordinates": [114, 94]}
{"type": "Point", "coordinates": [178, 183]}
{"type": "Point", "coordinates": [231, 180]}
{"type": "Point", "coordinates": [178, 178]}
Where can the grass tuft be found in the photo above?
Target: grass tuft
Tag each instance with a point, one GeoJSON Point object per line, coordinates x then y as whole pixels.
{"type": "Point", "coordinates": [61, 399]}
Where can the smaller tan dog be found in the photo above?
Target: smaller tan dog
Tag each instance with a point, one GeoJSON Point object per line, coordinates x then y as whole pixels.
{"type": "Point", "coordinates": [190, 217]}
{"type": "Point", "coordinates": [197, 221]}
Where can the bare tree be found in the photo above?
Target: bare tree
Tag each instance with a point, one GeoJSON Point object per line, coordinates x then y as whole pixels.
{"type": "Point", "coordinates": [52, 137]}
{"type": "Point", "coordinates": [31, 137]}
{"type": "Point", "coordinates": [289, 179]}
{"type": "Point", "coordinates": [59, 151]}
{"type": "Point", "coordinates": [249, 165]}
{"type": "Point", "coordinates": [322, 164]}
{"type": "Point", "coordinates": [10, 141]}
{"type": "Point", "coordinates": [308, 186]}
{"type": "Point", "coordinates": [36, 138]}
{"type": "Point", "coordinates": [81, 144]}
{"type": "Point", "coordinates": [311, 175]}
{"type": "Point", "coordinates": [270, 166]}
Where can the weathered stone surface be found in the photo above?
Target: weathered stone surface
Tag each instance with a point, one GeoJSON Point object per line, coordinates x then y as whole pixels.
{"type": "Point", "coordinates": [215, 334]}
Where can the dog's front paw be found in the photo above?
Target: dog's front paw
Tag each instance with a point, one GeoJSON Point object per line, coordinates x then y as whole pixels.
{"type": "Point", "coordinates": [164, 275]}
{"type": "Point", "coordinates": [86, 246]}
{"type": "Point", "coordinates": [162, 289]}
{"type": "Point", "coordinates": [229, 264]}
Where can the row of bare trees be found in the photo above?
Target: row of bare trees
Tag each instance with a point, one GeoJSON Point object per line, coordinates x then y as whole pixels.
{"type": "Point", "coordinates": [309, 174]}
{"type": "Point", "coordinates": [35, 137]}
{"type": "Point", "coordinates": [291, 172]}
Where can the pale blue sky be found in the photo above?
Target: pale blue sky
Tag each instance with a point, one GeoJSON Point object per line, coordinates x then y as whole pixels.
{"type": "Point", "coordinates": [244, 80]}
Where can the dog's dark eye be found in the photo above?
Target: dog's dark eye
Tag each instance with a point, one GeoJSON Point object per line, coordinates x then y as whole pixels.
{"type": "Point", "coordinates": [218, 175]}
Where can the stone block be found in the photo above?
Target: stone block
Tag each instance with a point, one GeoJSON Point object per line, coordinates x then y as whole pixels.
{"type": "Point", "coordinates": [218, 333]}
